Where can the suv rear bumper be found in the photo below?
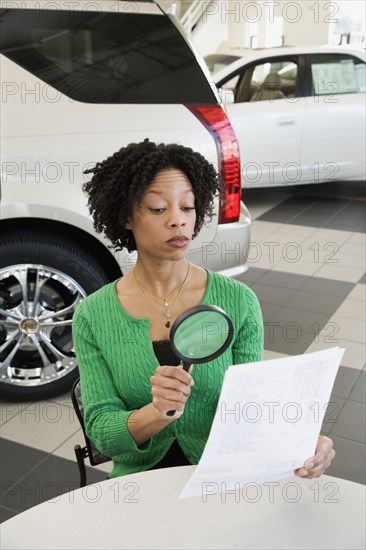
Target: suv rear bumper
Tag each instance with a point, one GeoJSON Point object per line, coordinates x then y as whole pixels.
{"type": "Point", "coordinates": [227, 254]}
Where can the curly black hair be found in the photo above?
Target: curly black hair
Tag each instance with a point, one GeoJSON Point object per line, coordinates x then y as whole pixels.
{"type": "Point", "coordinates": [119, 182]}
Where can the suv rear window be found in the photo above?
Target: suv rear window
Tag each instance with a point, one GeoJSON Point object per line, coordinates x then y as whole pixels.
{"type": "Point", "coordinates": [98, 57]}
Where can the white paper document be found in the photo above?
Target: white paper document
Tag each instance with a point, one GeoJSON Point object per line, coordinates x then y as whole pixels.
{"type": "Point", "coordinates": [267, 422]}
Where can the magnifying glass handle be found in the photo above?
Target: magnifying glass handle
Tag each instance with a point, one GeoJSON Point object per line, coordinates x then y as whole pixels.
{"type": "Point", "coordinates": [185, 367]}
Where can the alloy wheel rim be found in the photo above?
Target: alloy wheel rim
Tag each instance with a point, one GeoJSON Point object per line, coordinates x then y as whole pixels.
{"type": "Point", "coordinates": [36, 308]}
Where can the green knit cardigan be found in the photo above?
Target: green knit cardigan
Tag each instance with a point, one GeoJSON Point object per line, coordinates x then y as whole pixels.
{"type": "Point", "coordinates": [116, 360]}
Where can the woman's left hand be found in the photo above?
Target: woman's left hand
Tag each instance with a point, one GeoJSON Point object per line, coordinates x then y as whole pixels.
{"type": "Point", "coordinates": [317, 464]}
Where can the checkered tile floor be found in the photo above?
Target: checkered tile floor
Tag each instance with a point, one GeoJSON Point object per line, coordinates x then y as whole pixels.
{"type": "Point", "coordinates": [307, 266]}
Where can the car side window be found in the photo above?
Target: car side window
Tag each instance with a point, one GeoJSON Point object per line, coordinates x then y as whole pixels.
{"type": "Point", "coordinates": [337, 74]}
{"type": "Point", "coordinates": [276, 79]}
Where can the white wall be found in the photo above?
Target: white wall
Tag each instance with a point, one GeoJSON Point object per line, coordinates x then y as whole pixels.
{"type": "Point", "coordinates": [234, 21]}
{"type": "Point", "coordinates": [212, 27]}
{"type": "Point", "coordinates": [305, 22]}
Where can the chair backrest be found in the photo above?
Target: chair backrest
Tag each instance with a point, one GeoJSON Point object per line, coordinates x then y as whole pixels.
{"type": "Point", "coordinates": [95, 456]}
{"type": "Point", "coordinates": [270, 89]}
{"type": "Point", "coordinates": [244, 91]}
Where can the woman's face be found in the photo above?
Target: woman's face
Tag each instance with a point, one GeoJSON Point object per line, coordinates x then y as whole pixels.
{"type": "Point", "coordinates": [163, 222]}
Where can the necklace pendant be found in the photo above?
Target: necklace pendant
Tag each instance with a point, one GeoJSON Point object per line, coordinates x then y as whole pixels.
{"type": "Point", "coordinates": [166, 303]}
{"type": "Point", "coordinates": [167, 324]}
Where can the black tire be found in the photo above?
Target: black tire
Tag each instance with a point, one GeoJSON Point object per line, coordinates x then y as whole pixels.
{"type": "Point", "coordinates": [36, 351]}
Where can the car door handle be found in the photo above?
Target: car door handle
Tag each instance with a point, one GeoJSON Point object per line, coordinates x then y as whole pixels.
{"type": "Point", "coordinates": [286, 122]}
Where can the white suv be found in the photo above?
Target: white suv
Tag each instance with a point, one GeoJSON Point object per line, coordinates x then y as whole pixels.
{"type": "Point", "coordinates": [81, 80]}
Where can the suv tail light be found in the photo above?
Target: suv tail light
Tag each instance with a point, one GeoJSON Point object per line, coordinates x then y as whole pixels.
{"type": "Point", "coordinates": [214, 118]}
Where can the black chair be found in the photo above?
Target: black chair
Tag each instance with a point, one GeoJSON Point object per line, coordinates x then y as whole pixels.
{"type": "Point", "coordinates": [89, 450]}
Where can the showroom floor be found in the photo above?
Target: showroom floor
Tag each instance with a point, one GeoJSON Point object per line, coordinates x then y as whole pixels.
{"type": "Point", "coordinates": [307, 266]}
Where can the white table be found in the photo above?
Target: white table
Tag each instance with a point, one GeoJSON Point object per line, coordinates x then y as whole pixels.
{"type": "Point", "coordinates": [143, 511]}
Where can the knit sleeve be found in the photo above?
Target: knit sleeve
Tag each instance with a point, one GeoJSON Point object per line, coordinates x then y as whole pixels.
{"type": "Point", "coordinates": [248, 344]}
{"type": "Point", "coordinates": [105, 413]}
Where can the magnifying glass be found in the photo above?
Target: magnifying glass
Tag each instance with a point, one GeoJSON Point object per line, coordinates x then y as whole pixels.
{"type": "Point", "coordinates": [200, 334]}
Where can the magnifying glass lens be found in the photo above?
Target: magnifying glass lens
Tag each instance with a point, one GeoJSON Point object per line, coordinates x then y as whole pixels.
{"type": "Point", "coordinates": [201, 334]}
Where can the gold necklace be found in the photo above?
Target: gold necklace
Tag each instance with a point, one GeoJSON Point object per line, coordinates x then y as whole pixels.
{"type": "Point", "coordinates": [167, 310]}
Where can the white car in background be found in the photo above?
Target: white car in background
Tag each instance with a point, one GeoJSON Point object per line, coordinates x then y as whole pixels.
{"type": "Point", "coordinates": [224, 57]}
{"type": "Point", "coordinates": [298, 113]}
{"type": "Point", "coordinates": [78, 83]}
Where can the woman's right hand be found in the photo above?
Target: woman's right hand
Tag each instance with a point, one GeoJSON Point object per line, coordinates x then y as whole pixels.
{"type": "Point", "coordinates": [170, 388]}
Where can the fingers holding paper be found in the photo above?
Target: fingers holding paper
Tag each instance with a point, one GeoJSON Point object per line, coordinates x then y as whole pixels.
{"type": "Point", "coordinates": [317, 464]}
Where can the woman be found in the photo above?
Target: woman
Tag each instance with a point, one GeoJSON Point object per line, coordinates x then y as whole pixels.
{"type": "Point", "coordinates": [154, 199]}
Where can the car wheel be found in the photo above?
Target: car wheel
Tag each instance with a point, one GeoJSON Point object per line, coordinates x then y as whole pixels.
{"type": "Point", "coordinates": [43, 278]}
